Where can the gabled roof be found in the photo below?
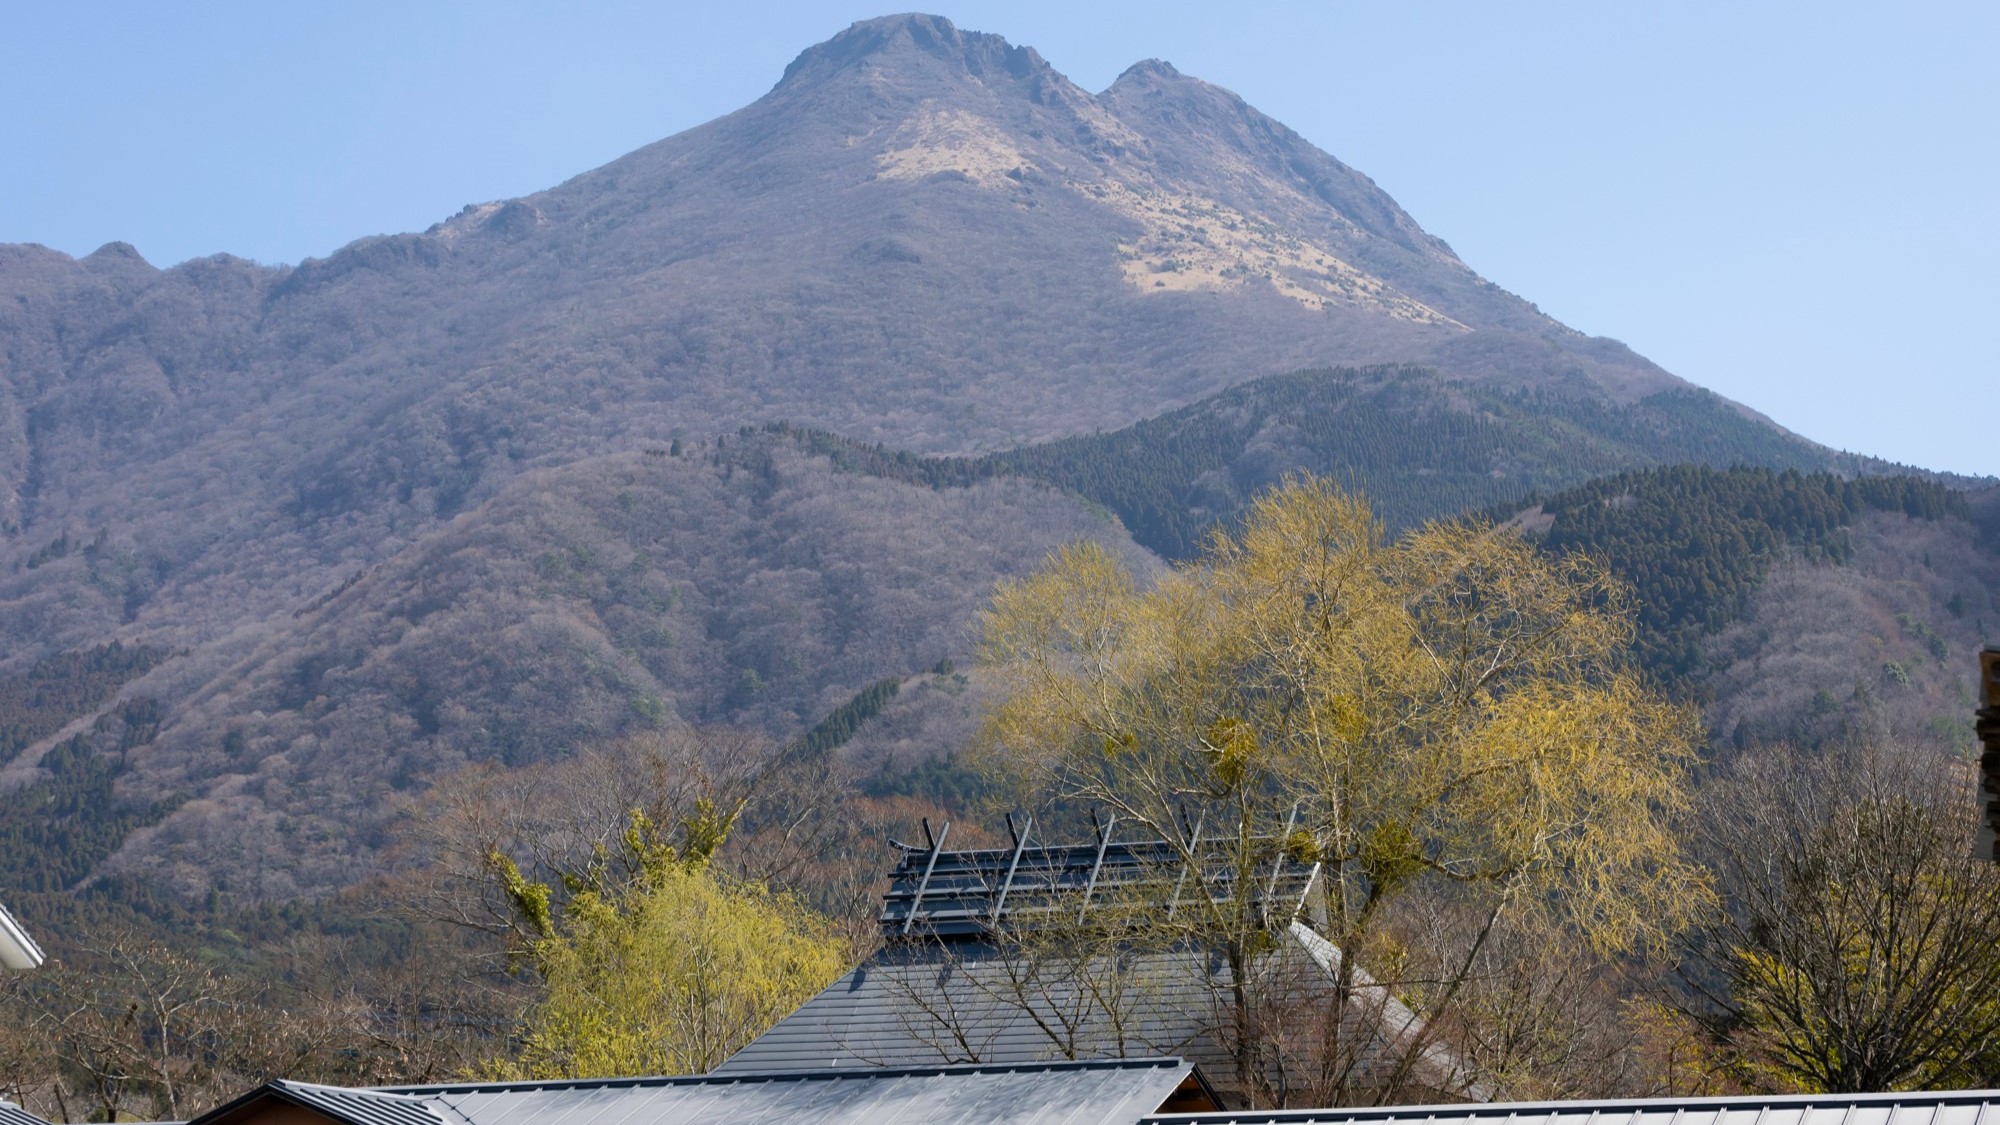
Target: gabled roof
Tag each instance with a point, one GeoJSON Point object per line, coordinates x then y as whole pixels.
{"type": "Point", "coordinates": [17, 949]}
{"type": "Point", "coordinates": [947, 1002]}
{"type": "Point", "coordinates": [971, 894]}
{"type": "Point", "coordinates": [1954, 1107]}
{"type": "Point", "coordinates": [341, 1103]}
{"type": "Point", "coordinates": [1065, 1093]}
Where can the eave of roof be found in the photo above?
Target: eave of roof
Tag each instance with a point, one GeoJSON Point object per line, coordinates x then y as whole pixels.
{"type": "Point", "coordinates": [1685, 1111]}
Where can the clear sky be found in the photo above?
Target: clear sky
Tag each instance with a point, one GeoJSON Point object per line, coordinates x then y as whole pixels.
{"type": "Point", "coordinates": [1792, 204]}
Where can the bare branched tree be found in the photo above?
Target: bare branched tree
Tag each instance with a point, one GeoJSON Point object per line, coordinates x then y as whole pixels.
{"type": "Point", "coordinates": [1860, 948]}
{"type": "Point", "coordinates": [133, 1028]}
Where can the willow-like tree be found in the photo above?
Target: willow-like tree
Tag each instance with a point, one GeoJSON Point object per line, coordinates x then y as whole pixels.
{"type": "Point", "coordinates": [667, 970]}
{"type": "Point", "coordinates": [1449, 713]}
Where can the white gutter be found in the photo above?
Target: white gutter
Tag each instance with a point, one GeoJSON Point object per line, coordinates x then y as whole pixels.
{"type": "Point", "coordinates": [17, 949]}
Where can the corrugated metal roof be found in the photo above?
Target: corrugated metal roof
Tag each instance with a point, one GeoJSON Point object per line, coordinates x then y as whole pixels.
{"type": "Point", "coordinates": [911, 1005]}
{"type": "Point", "coordinates": [1963, 1107]}
{"type": "Point", "coordinates": [961, 1002]}
{"type": "Point", "coordinates": [1069, 1093]}
{"type": "Point", "coordinates": [360, 1107]}
{"type": "Point", "coordinates": [937, 894]}
{"type": "Point", "coordinates": [11, 1114]}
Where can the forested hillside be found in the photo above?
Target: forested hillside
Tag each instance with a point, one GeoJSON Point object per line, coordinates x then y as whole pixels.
{"type": "Point", "coordinates": [741, 582]}
{"type": "Point", "coordinates": [1694, 542]}
{"type": "Point", "coordinates": [1419, 445]}
{"type": "Point", "coordinates": [1797, 606]}
{"type": "Point", "coordinates": [764, 577]}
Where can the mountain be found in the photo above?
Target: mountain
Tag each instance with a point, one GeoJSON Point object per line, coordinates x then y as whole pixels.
{"type": "Point", "coordinates": [920, 236]}
{"type": "Point", "coordinates": [485, 492]}
{"type": "Point", "coordinates": [786, 574]}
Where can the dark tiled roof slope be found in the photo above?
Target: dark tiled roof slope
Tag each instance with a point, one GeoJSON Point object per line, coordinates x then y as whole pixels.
{"type": "Point", "coordinates": [916, 1003]}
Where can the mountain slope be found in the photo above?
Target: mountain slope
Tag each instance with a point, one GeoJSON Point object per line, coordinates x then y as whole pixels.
{"type": "Point", "coordinates": [921, 236]}
{"type": "Point", "coordinates": [771, 579]}
{"type": "Point", "coordinates": [754, 586]}
{"type": "Point", "coordinates": [339, 504]}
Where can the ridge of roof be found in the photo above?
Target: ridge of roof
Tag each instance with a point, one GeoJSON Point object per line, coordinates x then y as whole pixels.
{"type": "Point", "coordinates": [816, 1075]}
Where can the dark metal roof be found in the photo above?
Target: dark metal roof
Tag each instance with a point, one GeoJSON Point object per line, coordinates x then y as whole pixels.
{"type": "Point", "coordinates": [1959, 1107]}
{"type": "Point", "coordinates": [1065, 1093]}
{"type": "Point", "coordinates": [11, 1114]}
{"type": "Point", "coordinates": [356, 1107]}
{"type": "Point", "coordinates": [361, 1107]}
{"type": "Point", "coordinates": [917, 1005]}
{"type": "Point", "coordinates": [960, 895]}
{"type": "Point", "coordinates": [949, 1002]}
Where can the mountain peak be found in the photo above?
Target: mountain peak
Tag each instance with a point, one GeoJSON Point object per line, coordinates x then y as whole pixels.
{"type": "Point", "coordinates": [914, 34]}
{"type": "Point", "coordinates": [1150, 68]}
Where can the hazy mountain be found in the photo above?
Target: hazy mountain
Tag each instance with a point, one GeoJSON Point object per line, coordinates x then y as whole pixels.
{"type": "Point", "coordinates": [419, 502]}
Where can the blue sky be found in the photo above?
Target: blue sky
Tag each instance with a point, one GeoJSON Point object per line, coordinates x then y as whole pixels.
{"type": "Point", "coordinates": [1792, 204]}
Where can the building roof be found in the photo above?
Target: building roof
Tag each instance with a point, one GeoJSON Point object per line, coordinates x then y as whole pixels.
{"type": "Point", "coordinates": [960, 1002]}
{"type": "Point", "coordinates": [1066, 1093]}
{"type": "Point", "coordinates": [964, 975]}
{"type": "Point", "coordinates": [968, 895]}
{"type": "Point", "coordinates": [341, 1103]}
{"type": "Point", "coordinates": [1955, 1107]}
{"type": "Point", "coordinates": [11, 1114]}
{"type": "Point", "coordinates": [915, 1006]}
{"type": "Point", "coordinates": [17, 949]}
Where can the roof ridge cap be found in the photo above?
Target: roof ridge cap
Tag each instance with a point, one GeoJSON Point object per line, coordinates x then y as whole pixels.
{"type": "Point", "coordinates": [418, 1093]}
{"type": "Point", "coordinates": [373, 1091]}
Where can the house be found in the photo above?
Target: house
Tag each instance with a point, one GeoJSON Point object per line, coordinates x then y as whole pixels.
{"type": "Point", "coordinates": [1113, 1092]}
{"type": "Point", "coordinates": [17, 949]}
{"type": "Point", "coordinates": [964, 975]}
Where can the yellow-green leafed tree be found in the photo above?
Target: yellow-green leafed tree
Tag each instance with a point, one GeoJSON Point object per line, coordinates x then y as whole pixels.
{"type": "Point", "coordinates": [668, 973]}
{"type": "Point", "coordinates": [1448, 713]}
